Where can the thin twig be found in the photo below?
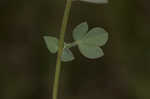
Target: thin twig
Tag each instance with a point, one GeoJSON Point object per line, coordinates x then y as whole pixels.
{"type": "Point", "coordinates": [60, 49]}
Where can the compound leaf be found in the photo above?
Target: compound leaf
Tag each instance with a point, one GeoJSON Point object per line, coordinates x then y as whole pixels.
{"type": "Point", "coordinates": [80, 31]}
{"type": "Point", "coordinates": [96, 1]}
{"type": "Point", "coordinates": [95, 37]}
{"type": "Point", "coordinates": [92, 52]}
{"type": "Point", "coordinates": [51, 43]}
{"type": "Point", "coordinates": [67, 55]}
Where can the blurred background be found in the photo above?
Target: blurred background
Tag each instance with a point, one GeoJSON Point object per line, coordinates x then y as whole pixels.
{"type": "Point", "coordinates": [27, 68]}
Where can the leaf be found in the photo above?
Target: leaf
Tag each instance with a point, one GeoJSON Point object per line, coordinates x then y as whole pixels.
{"type": "Point", "coordinates": [67, 55]}
{"type": "Point", "coordinates": [91, 52]}
{"type": "Point", "coordinates": [51, 43]}
{"type": "Point", "coordinates": [95, 37]}
{"type": "Point", "coordinates": [96, 1]}
{"type": "Point", "coordinates": [80, 31]}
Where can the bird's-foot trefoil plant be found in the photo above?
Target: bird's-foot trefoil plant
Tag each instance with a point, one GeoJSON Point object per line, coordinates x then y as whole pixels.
{"type": "Point", "coordinates": [88, 41]}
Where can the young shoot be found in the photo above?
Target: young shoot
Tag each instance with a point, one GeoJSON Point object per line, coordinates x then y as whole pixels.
{"type": "Point", "coordinates": [88, 41]}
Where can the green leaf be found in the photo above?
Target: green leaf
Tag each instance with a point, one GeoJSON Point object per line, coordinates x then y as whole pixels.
{"type": "Point", "coordinates": [91, 52]}
{"type": "Point", "coordinates": [51, 43]}
{"type": "Point", "coordinates": [80, 31]}
{"type": "Point", "coordinates": [95, 37]}
{"type": "Point", "coordinates": [96, 1]}
{"type": "Point", "coordinates": [67, 55]}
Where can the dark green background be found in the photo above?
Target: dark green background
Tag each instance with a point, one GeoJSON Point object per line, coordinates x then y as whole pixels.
{"type": "Point", "coordinates": [25, 63]}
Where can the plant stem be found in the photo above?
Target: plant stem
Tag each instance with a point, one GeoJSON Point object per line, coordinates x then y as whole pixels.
{"type": "Point", "coordinates": [60, 49]}
{"type": "Point", "coordinates": [70, 45]}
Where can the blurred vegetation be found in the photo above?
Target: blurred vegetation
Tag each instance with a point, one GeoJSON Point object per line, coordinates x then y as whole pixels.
{"type": "Point", "coordinates": [123, 73]}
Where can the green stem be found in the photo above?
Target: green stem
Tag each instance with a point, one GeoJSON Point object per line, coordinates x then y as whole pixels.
{"type": "Point", "coordinates": [70, 45]}
{"type": "Point", "coordinates": [60, 50]}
